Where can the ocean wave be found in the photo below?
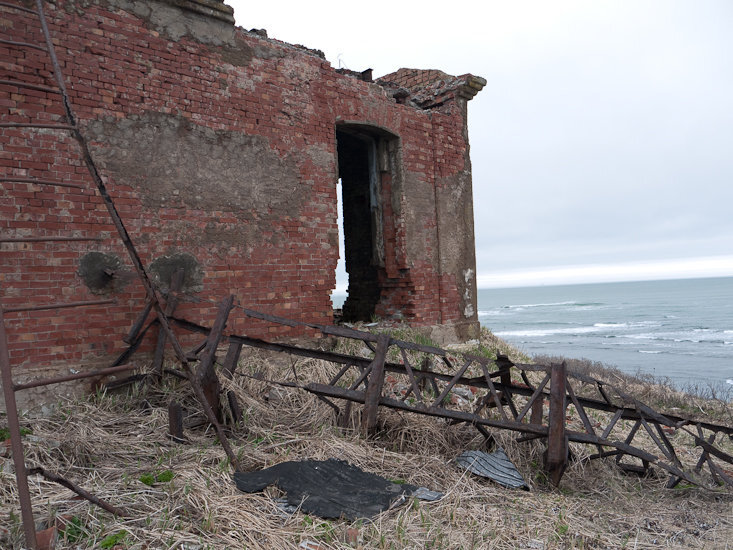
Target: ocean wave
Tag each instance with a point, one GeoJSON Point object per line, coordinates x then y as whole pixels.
{"type": "Point", "coordinates": [522, 307]}
{"type": "Point", "coordinates": [553, 304]}
{"type": "Point", "coordinates": [677, 338]}
{"type": "Point", "coordinates": [636, 324]}
{"type": "Point", "coordinates": [653, 352]}
{"type": "Point", "coordinates": [532, 333]}
{"type": "Point", "coordinates": [487, 313]}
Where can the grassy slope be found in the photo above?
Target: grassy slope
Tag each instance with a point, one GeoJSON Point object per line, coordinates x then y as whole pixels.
{"type": "Point", "coordinates": [115, 445]}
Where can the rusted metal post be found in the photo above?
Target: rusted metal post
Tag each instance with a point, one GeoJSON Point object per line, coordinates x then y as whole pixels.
{"type": "Point", "coordinates": [232, 358]}
{"type": "Point", "coordinates": [537, 412]}
{"type": "Point", "coordinates": [175, 421]}
{"type": "Point", "coordinates": [16, 445]}
{"type": "Point", "coordinates": [170, 307]}
{"type": "Point", "coordinates": [205, 374]}
{"type": "Point", "coordinates": [376, 381]}
{"type": "Point", "coordinates": [228, 370]}
{"type": "Point", "coordinates": [195, 378]}
{"type": "Point", "coordinates": [504, 364]}
{"type": "Point", "coordinates": [556, 457]}
{"type": "Point", "coordinates": [137, 326]}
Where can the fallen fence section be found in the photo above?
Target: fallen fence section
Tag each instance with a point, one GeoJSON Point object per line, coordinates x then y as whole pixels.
{"type": "Point", "coordinates": [608, 419]}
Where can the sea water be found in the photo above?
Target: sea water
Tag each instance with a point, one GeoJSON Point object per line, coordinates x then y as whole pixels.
{"type": "Point", "coordinates": [681, 330]}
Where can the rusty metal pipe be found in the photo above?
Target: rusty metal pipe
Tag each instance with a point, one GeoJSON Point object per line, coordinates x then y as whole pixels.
{"type": "Point", "coordinates": [11, 410]}
{"type": "Point", "coordinates": [71, 377]}
{"type": "Point", "coordinates": [41, 182]}
{"type": "Point", "coordinates": [23, 45]}
{"type": "Point", "coordinates": [47, 239]}
{"type": "Point", "coordinates": [58, 306]}
{"type": "Point", "coordinates": [36, 125]}
{"type": "Point", "coordinates": [30, 86]}
{"type": "Point", "coordinates": [19, 8]}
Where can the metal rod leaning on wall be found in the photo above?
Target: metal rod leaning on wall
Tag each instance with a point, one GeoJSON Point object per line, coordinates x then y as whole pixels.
{"type": "Point", "coordinates": [102, 188]}
{"type": "Point", "coordinates": [28, 86]}
{"type": "Point", "coordinates": [124, 235]}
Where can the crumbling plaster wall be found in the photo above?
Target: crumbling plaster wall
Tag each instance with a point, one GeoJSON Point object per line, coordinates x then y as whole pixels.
{"type": "Point", "coordinates": [219, 144]}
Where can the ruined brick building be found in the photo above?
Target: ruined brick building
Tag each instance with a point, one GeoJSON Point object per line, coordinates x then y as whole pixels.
{"type": "Point", "coordinates": [223, 149]}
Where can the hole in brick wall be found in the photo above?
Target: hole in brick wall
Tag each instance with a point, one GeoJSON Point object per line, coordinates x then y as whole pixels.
{"type": "Point", "coordinates": [163, 268]}
{"type": "Point", "coordinates": [361, 221]}
{"type": "Point", "coordinates": [103, 273]}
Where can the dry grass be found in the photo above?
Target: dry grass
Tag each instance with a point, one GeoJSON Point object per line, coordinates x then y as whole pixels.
{"type": "Point", "coordinates": [109, 442]}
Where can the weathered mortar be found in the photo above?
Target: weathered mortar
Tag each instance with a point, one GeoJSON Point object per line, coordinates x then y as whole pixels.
{"type": "Point", "coordinates": [172, 162]}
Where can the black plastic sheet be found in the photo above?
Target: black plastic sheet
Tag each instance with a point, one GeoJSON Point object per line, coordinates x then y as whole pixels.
{"type": "Point", "coordinates": [330, 488]}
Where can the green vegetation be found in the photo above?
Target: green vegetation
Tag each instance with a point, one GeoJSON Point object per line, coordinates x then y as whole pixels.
{"type": "Point", "coordinates": [73, 532]}
{"type": "Point", "coordinates": [110, 541]}
{"type": "Point", "coordinates": [151, 479]}
{"type": "Point", "coordinates": [5, 432]}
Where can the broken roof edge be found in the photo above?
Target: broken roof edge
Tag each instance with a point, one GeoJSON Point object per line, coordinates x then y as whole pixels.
{"type": "Point", "coordinates": [429, 88]}
{"type": "Point", "coordinates": [421, 88]}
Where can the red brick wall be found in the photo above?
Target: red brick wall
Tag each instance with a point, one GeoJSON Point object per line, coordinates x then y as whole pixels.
{"type": "Point", "coordinates": [251, 114]}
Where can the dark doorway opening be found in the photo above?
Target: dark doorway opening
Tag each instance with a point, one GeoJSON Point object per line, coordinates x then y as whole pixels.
{"type": "Point", "coordinates": [359, 175]}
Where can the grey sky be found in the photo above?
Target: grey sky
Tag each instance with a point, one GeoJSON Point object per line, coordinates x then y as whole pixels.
{"type": "Point", "coordinates": [604, 134]}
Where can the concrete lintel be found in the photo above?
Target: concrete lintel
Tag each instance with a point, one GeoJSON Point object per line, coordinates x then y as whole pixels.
{"type": "Point", "coordinates": [211, 8]}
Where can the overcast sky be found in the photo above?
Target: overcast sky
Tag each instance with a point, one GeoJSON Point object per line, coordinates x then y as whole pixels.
{"type": "Point", "coordinates": [602, 145]}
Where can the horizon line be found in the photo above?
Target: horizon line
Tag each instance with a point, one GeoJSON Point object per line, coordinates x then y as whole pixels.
{"type": "Point", "coordinates": [705, 267]}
